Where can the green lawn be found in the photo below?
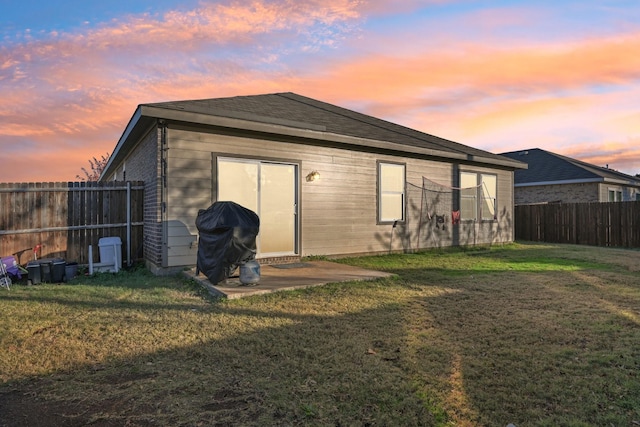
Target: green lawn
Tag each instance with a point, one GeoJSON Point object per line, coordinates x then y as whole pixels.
{"type": "Point", "coordinates": [534, 335]}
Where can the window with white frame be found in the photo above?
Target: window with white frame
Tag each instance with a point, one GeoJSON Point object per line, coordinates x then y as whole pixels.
{"type": "Point", "coordinates": [615, 195]}
{"type": "Point", "coordinates": [478, 196]}
{"type": "Point", "coordinates": [468, 196]}
{"type": "Point", "coordinates": [391, 192]}
{"type": "Point", "coordinates": [488, 189]}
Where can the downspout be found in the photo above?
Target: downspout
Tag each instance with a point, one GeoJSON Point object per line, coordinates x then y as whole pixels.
{"type": "Point", "coordinates": [128, 223]}
{"type": "Point", "coordinates": [163, 187]}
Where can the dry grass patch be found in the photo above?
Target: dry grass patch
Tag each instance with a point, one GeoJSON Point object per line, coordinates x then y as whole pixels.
{"type": "Point", "coordinates": [527, 334]}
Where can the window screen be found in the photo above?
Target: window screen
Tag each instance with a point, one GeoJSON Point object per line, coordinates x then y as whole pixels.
{"type": "Point", "coordinates": [468, 195]}
{"type": "Point", "coordinates": [488, 190]}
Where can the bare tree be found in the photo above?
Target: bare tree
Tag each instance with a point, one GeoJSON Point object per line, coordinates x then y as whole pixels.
{"type": "Point", "coordinates": [96, 168]}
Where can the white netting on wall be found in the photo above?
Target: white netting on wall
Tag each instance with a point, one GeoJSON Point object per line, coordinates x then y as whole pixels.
{"type": "Point", "coordinates": [431, 211]}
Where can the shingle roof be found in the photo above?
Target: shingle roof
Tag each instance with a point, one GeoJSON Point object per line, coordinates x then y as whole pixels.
{"type": "Point", "coordinates": [294, 110]}
{"type": "Point", "coordinates": [547, 167]}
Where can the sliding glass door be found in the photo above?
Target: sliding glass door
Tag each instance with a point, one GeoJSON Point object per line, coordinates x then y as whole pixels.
{"type": "Point", "coordinates": [270, 190]}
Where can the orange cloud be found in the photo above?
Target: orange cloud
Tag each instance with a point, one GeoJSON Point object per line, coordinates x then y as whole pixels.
{"type": "Point", "coordinates": [490, 70]}
{"type": "Point", "coordinates": [79, 90]}
{"type": "Point", "coordinates": [385, 7]}
{"type": "Point", "coordinates": [549, 96]}
{"type": "Point", "coordinates": [37, 164]}
{"type": "Point", "coordinates": [617, 155]}
{"type": "Point", "coordinates": [626, 122]}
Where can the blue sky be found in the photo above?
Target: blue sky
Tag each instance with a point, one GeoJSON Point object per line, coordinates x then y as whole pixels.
{"type": "Point", "coordinates": [495, 75]}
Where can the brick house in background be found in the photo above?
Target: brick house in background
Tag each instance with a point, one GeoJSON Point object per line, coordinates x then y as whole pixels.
{"type": "Point", "coordinates": [552, 178]}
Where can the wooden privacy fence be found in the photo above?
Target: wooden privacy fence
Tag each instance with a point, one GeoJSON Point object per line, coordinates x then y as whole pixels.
{"type": "Point", "coordinates": [614, 224]}
{"type": "Point", "coordinates": [66, 217]}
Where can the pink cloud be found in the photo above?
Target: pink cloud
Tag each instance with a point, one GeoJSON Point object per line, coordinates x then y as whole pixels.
{"type": "Point", "coordinates": [75, 92]}
{"type": "Point", "coordinates": [622, 156]}
{"type": "Point", "coordinates": [79, 89]}
{"type": "Point", "coordinates": [550, 95]}
{"type": "Point", "coordinates": [385, 7]}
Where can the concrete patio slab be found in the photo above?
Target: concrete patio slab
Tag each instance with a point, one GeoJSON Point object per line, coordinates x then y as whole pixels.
{"type": "Point", "coordinates": [274, 278]}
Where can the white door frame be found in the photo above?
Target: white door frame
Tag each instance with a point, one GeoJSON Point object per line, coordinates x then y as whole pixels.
{"type": "Point", "coordinates": [259, 162]}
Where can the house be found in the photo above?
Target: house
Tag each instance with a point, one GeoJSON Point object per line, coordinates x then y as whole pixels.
{"type": "Point", "coordinates": [323, 179]}
{"type": "Point", "coordinates": [552, 178]}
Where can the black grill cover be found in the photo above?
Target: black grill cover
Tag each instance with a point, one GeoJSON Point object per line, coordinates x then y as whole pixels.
{"type": "Point", "coordinates": [227, 239]}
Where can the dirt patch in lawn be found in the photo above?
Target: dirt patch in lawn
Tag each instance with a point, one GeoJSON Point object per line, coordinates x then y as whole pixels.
{"type": "Point", "coordinates": [24, 408]}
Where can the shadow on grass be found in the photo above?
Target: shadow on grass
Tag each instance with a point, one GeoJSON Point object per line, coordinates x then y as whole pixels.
{"type": "Point", "coordinates": [107, 291]}
{"type": "Point", "coordinates": [530, 346]}
{"type": "Point", "coordinates": [532, 349]}
{"type": "Point", "coordinates": [87, 302]}
{"type": "Point", "coordinates": [306, 370]}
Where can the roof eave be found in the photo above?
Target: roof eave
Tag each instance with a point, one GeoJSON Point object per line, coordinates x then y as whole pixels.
{"type": "Point", "coordinates": [123, 139]}
{"type": "Point", "coordinates": [579, 181]}
{"type": "Point", "coordinates": [259, 125]}
{"type": "Point", "coordinates": [621, 181]}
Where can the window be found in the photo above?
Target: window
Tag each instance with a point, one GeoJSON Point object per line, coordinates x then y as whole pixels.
{"type": "Point", "coordinates": [468, 196]}
{"type": "Point", "coordinates": [488, 190]}
{"type": "Point", "coordinates": [615, 196]}
{"type": "Point", "coordinates": [478, 195]}
{"type": "Point", "coordinates": [391, 197]}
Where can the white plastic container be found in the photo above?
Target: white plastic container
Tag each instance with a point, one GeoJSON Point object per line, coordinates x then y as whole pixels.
{"type": "Point", "coordinates": [111, 252]}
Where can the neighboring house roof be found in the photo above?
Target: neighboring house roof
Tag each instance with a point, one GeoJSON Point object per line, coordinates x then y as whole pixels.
{"type": "Point", "coordinates": [547, 168]}
{"type": "Point", "coordinates": [298, 116]}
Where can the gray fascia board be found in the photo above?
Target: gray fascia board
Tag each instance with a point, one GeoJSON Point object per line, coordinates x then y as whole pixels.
{"type": "Point", "coordinates": [621, 182]}
{"type": "Point", "coordinates": [579, 181]}
{"type": "Point", "coordinates": [564, 182]}
{"type": "Point", "coordinates": [130, 126]}
{"type": "Point", "coordinates": [256, 126]}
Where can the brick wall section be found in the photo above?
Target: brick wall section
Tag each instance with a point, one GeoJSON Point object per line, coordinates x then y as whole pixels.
{"type": "Point", "coordinates": [564, 193]}
{"type": "Point", "coordinates": [143, 164]}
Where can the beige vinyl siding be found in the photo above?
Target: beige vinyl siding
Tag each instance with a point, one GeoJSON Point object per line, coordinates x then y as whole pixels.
{"type": "Point", "coordinates": [188, 190]}
{"type": "Point", "coordinates": [619, 193]}
{"type": "Point", "coordinates": [337, 212]}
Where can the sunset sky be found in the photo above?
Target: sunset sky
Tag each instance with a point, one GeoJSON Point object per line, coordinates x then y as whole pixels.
{"type": "Point", "coordinates": [496, 75]}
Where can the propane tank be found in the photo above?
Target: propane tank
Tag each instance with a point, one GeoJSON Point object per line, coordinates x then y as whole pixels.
{"type": "Point", "coordinates": [250, 272]}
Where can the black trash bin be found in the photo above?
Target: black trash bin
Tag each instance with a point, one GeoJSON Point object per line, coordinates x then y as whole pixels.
{"type": "Point", "coordinates": [228, 234]}
{"type": "Point", "coordinates": [58, 267]}
{"type": "Point", "coordinates": [34, 272]}
{"type": "Point", "coordinates": [48, 270]}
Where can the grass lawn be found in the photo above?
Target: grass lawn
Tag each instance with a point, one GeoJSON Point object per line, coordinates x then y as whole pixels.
{"type": "Point", "coordinates": [529, 334]}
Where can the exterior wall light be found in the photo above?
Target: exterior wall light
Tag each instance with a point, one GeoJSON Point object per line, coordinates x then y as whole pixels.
{"type": "Point", "coordinates": [313, 176]}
